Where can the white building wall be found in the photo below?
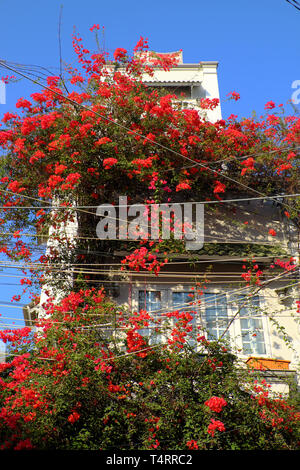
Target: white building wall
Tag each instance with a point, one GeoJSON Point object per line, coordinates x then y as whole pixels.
{"type": "Point", "coordinates": [61, 239]}
{"type": "Point", "coordinates": [203, 79]}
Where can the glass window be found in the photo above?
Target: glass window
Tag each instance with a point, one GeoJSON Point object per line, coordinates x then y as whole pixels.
{"type": "Point", "coordinates": [182, 302]}
{"type": "Point", "coordinates": [151, 302]}
{"type": "Point", "coordinates": [252, 331]}
{"type": "Point", "coordinates": [216, 315]}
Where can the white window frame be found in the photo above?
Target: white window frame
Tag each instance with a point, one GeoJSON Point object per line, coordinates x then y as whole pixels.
{"type": "Point", "coordinates": [234, 330]}
{"type": "Point", "coordinates": [237, 330]}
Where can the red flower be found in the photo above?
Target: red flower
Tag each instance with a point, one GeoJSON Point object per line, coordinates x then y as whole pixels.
{"type": "Point", "coordinates": [95, 26]}
{"type": "Point", "coordinates": [220, 187]}
{"type": "Point", "coordinates": [14, 186]}
{"type": "Point", "coordinates": [38, 155]}
{"type": "Point", "coordinates": [149, 137]}
{"type": "Point", "coordinates": [216, 404]}
{"type": "Point", "coordinates": [54, 180]}
{"type": "Point", "coordinates": [215, 425]}
{"type": "Point", "coordinates": [249, 165]}
{"type": "Point", "coordinates": [234, 96]}
{"type": "Point", "coordinates": [143, 162]}
{"type": "Point", "coordinates": [77, 78]}
{"type": "Point", "coordinates": [272, 232]}
{"type": "Point", "coordinates": [120, 53]}
{"type": "Point", "coordinates": [207, 103]}
{"type": "Point", "coordinates": [182, 186]}
{"type": "Point", "coordinates": [141, 44]}
{"type": "Point", "coordinates": [270, 105]}
{"type": "Point", "coordinates": [192, 445]}
{"type": "Point", "coordinates": [103, 140]}
{"type": "Point", "coordinates": [26, 444]}
{"type": "Point", "coordinates": [21, 103]}
{"type": "Point", "coordinates": [73, 417]}
{"type": "Point", "coordinates": [73, 178]}
{"type": "Point", "coordinates": [59, 168]}
{"type": "Point", "coordinates": [109, 162]}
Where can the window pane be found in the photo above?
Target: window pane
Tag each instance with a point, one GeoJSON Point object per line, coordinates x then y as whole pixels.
{"type": "Point", "coordinates": [216, 315]}
{"type": "Point", "coordinates": [183, 301]}
{"type": "Point", "coordinates": [151, 302]}
{"type": "Point", "coordinates": [253, 338]}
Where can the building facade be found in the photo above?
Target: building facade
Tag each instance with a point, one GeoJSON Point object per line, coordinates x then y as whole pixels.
{"type": "Point", "coordinates": [259, 321]}
{"type": "Point", "coordinates": [211, 283]}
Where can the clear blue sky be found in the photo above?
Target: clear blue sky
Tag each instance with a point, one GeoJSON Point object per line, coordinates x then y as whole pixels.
{"type": "Point", "coordinates": [255, 41]}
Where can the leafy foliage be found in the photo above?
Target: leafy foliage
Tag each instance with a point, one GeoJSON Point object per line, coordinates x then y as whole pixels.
{"type": "Point", "coordinates": [85, 386]}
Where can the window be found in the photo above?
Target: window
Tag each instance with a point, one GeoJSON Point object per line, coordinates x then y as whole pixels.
{"type": "Point", "coordinates": [161, 301]}
{"type": "Point", "coordinates": [252, 331]}
{"type": "Point", "coordinates": [216, 317]}
{"type": "Point", "coordinates": [233, 317]}
{"type": "Point", "coordinates": [181, 91]}
{"type": "Point", "coordinates": [181, 301]}
{"type": "Point", "coordinates": [151, 301]}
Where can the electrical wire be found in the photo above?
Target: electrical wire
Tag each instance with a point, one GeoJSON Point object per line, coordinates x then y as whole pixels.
{"type": "Point", "coordinates": [294, 3]}
{"type": "Point", "coordinates": [228, 293]}
{"type": "Point", "coordinates": [215, 201]}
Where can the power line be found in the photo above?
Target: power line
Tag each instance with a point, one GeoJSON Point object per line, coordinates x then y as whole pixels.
{"type": "Point", "coordinates": [216, 201]}
{"type": "Point", "coordinates": [161, 317]}
{"type": "Point", "coordinates": [78, 269]}
{"type": "Point", "coordinates": [214, 240]}
{"type": "Point", "coordinates": [191, 261]}
{"type": "Point", "coordinates": [156, 278]}
{"type": "Point", "coordinates": [245, 289]}
{"type": "Point", "coordinates": [294, 3]}
{"type": "Point", "coordinates": [37, 265]}
{"type": "Point", "coordinates": [134, 273]}
{"type": "Point", "coordinates": [254, 154]}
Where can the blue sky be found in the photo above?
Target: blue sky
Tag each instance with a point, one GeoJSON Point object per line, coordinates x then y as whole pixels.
{"type": "Point", "coordinates": [256, 43]}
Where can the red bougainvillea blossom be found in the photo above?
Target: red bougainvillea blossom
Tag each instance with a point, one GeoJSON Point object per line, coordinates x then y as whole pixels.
{"type": "Point", "coordinates": [192, 445]}
{"type": "Point", "coordinates": [270, 105]}
{"type": "Point", "coordinates": [215, 425]}
{"type": "Point", "coordinates": [109, 163]}
{"type": "Point", "coordinates": [120, 53]}
{"type": "Point", "coordinates": [234, 96]}
{"type": "Point", "coordinates": [74, 417]}
{"type": "Point", "coordinates": [216, 404]}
